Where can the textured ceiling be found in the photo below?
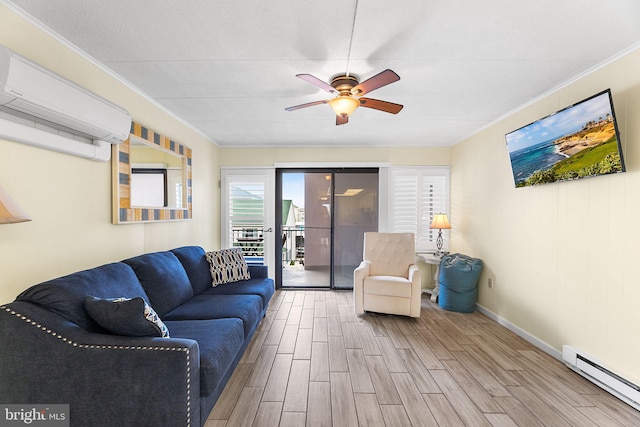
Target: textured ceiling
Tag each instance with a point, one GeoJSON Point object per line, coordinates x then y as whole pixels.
{"type": "Point", "coordinates": [228, 67]}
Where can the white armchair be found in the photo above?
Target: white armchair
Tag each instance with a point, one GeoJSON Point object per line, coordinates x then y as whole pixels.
{"type": "Point", "coordinates": [387, 280]}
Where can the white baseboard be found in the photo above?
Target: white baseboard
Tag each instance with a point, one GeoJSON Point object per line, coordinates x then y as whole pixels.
{"type": "Point", "coordinates": [524, 334]}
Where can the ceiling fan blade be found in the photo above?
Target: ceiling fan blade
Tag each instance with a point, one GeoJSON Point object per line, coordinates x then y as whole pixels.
{"type": "Point", "coordinates": [317, 82]}
{"type": "Point", "coordinates": [308, 104]}
{"type": "Point", "coordinates": [375, 82]}
{"type": "Point", "coordinates": [376, 104]}
{"type": "Point", "coordinates": [342, 120]}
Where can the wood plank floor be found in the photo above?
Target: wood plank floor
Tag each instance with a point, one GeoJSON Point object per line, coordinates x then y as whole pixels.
{"type": "Point", "coordinates": [313, 362]}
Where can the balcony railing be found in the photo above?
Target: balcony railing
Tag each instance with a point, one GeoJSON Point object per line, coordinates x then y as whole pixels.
{"type": "Point", "coordinates": [292, 245]}
{"type": "Point", "coordinates": [251, 240]}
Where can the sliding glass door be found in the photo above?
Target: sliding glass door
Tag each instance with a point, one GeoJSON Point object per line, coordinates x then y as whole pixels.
{"type": "Point", "coordinates": [355, 208]}
{"type": "Point", "coordinates": [323, 215]}
{"type": "Point", "coordinates": [305, 198]}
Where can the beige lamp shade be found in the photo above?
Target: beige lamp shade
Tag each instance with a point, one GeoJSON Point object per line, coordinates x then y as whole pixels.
{"type": "Point", "coordinates": [10, 212]}
{"type": "Point", "coordinates": [344, 105]}
{"type": "Point", "coordinates": [440, 222]}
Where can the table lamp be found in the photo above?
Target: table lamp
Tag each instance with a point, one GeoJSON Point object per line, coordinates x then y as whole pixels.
{"type": "Point", "coordinates": [10, 212]}
{"type": "Point", "coordinates": [440, 222]}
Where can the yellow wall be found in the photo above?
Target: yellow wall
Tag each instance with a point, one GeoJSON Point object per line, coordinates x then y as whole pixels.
{"type": "Point", "coordinates": [563, 255]}
{"type": "Point", "coordinates": [69, 198]}
{"type": "Point", "coordinates": [396, 156]}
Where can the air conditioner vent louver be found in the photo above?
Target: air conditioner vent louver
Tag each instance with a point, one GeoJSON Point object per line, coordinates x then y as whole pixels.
{"type": "Point", "coordinates": [48, 117]}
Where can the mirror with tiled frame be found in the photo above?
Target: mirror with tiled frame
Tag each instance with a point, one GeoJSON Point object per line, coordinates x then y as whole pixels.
{"type": "Point", "coordinates": [161, 154]}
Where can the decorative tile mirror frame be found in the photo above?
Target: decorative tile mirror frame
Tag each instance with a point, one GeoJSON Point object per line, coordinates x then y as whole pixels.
{"type": "Point", "coordinates": [122, 165]}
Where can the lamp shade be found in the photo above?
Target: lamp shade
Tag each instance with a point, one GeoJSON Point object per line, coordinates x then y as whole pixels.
{"type": "Point", "coordinates": [440, 222]}
{"type": "Point", "coordinates": [10, 212]}
{"type": "Point", "coordinates": [344, 105]}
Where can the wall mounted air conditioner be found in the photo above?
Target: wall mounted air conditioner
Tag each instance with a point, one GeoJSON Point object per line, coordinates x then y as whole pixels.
{"type": "Point", "coordinates": [43, 100]}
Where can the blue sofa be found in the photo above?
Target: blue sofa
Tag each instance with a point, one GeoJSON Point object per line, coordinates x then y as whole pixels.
{"type": "Point", "coordinates": [53, 352]}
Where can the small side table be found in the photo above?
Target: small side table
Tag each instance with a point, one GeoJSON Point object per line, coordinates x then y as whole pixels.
{"type": "Point", "coordinates": [431, 258]}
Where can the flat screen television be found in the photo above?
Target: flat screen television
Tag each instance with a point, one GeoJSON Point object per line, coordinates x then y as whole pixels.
{"type": "Point", "coordinates": [579, 141]}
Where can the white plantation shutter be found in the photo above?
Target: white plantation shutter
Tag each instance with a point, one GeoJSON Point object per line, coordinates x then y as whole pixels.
{"type": "Point", "coordinates": [434, 200]}
{"type": "Point", "coordinates": [247, 211]}
{"type": "Point", "coordinates": [417, 194]}
{"type": "Point", "coordinates": [405, 204]}
{"type": "Point", "coordinates": [246, 202]}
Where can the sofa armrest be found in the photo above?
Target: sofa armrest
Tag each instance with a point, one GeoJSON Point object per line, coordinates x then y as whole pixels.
{"type": "Point", "coordinates": [359, 275]}
{"type": "Point", "coordinates": [258, 271]}
{"type": "Point", "coordinates": [134, 380]}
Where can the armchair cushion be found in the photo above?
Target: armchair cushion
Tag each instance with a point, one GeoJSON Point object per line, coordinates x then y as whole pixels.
{"type": "Point", "coordinates": [388, 285]}
{"type": "Point", "coordinates": [390, 254]}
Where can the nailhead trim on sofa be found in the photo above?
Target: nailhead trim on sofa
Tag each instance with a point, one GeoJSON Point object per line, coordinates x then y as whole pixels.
{"type": "Point", "coordinates": [113, 347]}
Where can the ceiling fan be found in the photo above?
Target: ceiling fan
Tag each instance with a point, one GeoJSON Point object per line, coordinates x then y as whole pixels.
{"type": "Point", "coordinates": [349, 93]}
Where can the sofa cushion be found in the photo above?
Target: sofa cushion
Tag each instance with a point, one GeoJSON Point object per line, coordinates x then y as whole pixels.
{"type": "Point", "coordinates": [65, 295]}
{"type": "Point", "coordinates": [219, 340]}
{"type": "Point", "coordinates": [262, 287]}
{"type": "Point", "coordinates": [258, 271]}
{"type": "Point", "coordinates": [126, 316]}
{"type": "Point", "coordinates": [247, 308]}
{"type": "Point", "coordinates": [163, 278]}
{"type": "Point", "coordinates": [196, 266]}
{"type": "Point", "coordinates": [227, 265]}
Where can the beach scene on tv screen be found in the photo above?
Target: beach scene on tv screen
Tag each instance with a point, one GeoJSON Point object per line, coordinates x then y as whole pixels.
{"type": "Point", "coordinates": [577, 142]}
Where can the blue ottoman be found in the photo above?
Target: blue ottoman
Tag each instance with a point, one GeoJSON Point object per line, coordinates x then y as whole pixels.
{"type": "Point", "coordinates": [458, 287]}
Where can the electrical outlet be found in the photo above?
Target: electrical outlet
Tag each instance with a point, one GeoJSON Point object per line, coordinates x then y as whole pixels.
{"type": "Point", "coordinates": [490, 282]}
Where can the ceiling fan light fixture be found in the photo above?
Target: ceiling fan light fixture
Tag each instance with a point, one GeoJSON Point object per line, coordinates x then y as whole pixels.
{"type": "Point", "coordinates": [344, 105]}
{"type": "Point", "coordinates": [350, 91]}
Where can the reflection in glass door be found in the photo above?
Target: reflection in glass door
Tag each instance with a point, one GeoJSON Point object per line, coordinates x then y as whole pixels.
{"type": "Point", "coordinates": [355, 207]}
{"type": "Point", "coordinates": [324, 214]}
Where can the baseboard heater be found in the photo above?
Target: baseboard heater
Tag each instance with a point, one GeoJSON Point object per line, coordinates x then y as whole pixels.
{"type": "Point", "coordinates": [592, 369]}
